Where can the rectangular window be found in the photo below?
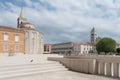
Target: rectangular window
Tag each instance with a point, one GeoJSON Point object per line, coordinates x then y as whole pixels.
{"type": "Point", "coordinates": [5, 36]}
{"type": "Point", "coordinates": [16, 37]}
{"type": "Point", "coordinates": [5, 47]}
{"type": "Point", "coordinates": [16, 47]}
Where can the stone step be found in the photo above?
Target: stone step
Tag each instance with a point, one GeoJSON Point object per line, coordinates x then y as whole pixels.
{"type": "Point", "coordinates": [29, 69]}
{"type": "Point", "coordinates": [30, 63]}
{"type": "Point", "coordinates": [7, 68]}
{"type": "Point", "coordinates": [30, 73]}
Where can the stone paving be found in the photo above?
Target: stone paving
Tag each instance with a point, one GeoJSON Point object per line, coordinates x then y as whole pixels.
{"type": "Point", "coordinates": [63, 75]}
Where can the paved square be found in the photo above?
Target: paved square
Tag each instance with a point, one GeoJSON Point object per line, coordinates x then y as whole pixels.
{"type": "Point", "coordinates": [62, 75]}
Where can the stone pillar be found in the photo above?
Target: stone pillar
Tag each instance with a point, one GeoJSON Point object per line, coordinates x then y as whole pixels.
{"type": "Point", "coordinates": [94, 66]}
{"type": "Point", "coordinates": [98, 67]}
{"type": "Point", "coordinates": [115, 70]}
{"type": "Point", "coordinates": [108, 69]}
{"type": "Point", "coordinates": [112, 71]}
{"type": "Point", "coordinates": [119, 70]}
{"type": "Point", "coordinates": [101, 68]}
{"type": "Point", "coordinates": [85, 66]}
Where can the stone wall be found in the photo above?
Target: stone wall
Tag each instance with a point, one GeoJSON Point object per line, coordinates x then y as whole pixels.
{"type": "Point", "coordinates": [102, 65]}
{"type": "Point", "coordinates": [11, 43]}
{"type": "Point", "coordinates": [33, 42]}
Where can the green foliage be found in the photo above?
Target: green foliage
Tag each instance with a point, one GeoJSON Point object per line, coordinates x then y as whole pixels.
{"type": "Point", "coordinates": [118, 50]}
{"type": "Point", "coordinates": [106, 45]}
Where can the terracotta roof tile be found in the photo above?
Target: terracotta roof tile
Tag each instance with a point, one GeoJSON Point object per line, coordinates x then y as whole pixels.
{"type": "Point", "coordinates": [10, 28]}
{"type": "Point", "coordinates": [6, 27]}
{"type": "Point", "coordinates": [26, 28]}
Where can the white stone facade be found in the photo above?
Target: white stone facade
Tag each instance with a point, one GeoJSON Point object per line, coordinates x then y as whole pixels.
{"type": "Point", "coordinates": [82, 48]}
{"type": "Point", "coordinates": [33, 39]}
{"type": "Point", "coordinates": [33, 42]}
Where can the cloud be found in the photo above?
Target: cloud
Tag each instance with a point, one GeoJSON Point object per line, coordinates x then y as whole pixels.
{"type": "Point", "coordinates": [66, 20]}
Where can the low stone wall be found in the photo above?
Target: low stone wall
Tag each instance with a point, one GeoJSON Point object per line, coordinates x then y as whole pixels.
{"type": "Point", "coordinates": [81, 65]}
{"type": "Point", "coordinates": [102, 65]}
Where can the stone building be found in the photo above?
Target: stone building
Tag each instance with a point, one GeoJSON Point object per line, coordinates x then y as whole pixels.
{"type": "Point", "coordinates": [93, 36]}
{"type": "Point", "coordinates": [23, 39]}
{"type": "Point", "coordinates": [62, 48]}
{"type": "Point", "coordinates": [83, 48]}
{"type": "Point", "coordinates": [33, 38]}
{"type": "Point", "coordinates": [47, 48]}
{"type": "Point", "coordinates": [73, 48]}
{"type": "Point", "coordinates": [11, 40]}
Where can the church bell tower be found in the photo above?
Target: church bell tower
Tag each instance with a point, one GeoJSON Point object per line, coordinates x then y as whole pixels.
{"type": "Point", "coordinates": [21, 19]}
{"type": "Point", "coordinates": [93, 36]}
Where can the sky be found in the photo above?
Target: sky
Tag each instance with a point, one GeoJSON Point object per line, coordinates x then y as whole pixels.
{"type": "Point", "coordinates": [65, 20]}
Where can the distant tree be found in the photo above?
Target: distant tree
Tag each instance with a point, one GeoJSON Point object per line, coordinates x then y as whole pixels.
{"type": "Point", "coordinates": [106, 45]}
{"type": "Point", "coordinates": [118, 51]}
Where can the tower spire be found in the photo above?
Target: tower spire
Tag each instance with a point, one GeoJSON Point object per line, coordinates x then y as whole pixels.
{"type": "Point", "coordinates": [93, 29]}
{"type": "Point", "coordinates": [93, 36]}
{"type": "Point", "coordinates": [22, 13]}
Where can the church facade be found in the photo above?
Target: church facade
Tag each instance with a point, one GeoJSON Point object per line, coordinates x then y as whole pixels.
{"type": "Point", "coordinates": [23, 39]}
{"type": "Point", "coordinates": [33, 38]}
